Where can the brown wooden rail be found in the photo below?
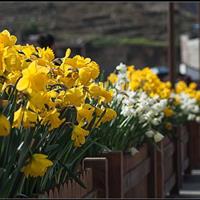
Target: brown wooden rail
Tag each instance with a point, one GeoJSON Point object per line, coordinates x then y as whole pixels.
{"type": "Point", "coordinates": [194, 145]}
{"type": "Point", "coordinates": [167, 164]}
{"type": "Point", "coordinates": [130, 176]}
{"type": "Point", "coordinates": [71, 189]}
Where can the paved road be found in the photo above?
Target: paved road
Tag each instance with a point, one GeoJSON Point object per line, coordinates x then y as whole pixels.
{"type": "Point", "coordinates": [191, 186]}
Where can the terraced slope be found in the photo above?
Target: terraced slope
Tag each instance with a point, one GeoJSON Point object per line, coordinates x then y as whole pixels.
{"type": "Point", "coordinates": [76, 22]}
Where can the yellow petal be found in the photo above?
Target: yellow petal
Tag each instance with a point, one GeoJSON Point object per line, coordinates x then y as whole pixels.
{"type": "Point", "coordinates": [32, 67]}
{"type": "Point", "coordinates": [4, 126]}
{"type": "Point", "coordinates": [23, 84]}
{"type": "Point", "coordinates": [68, 52]}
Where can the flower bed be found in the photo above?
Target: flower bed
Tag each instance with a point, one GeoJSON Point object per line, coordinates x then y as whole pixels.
{"type": "Point", "coordinates": [48, 108]}
{"type": "Point", "coordinates": [58, 114]}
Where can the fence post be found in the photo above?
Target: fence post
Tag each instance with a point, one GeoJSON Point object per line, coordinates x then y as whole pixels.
{"type": "Point", "coordinates": [99, 167]}
{"type": "Point", "coordinates": [198, 21]}
{"type": "Point", "coordinates": [171, 44]}
{"type": "Point", "coordinates": [115, 174]}
{"type": "Point", "coordinates": [177, 162]}
{"type": "Point", "coordinates": [160, 184]}
{"type": "Point", "coordinates": [153, 179]}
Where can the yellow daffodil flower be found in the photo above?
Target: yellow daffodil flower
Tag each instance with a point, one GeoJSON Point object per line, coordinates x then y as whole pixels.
{"type": "Point", "coordinates": [6, 39]}
{"type": "Point", "coordinates": [168, 112]}
{"type": "Point", "coordinates": [34, 77]}
{"type": "Point", "coordinates": [24, 117]}
{"type": "Point", "coordinates": [78, 135]}
{"type": "Point", "coordinates": [109, 115]}
{"type": "Point", "coordinates": [37, 165]}
{"type": "Point", "coordinates": [112, 78]}
{"type": "Point", "coordinates": [74, 96]}
{"type": "Point", "coordinates": [85, 112]}
{"type": "Point", "coordinates": [52, 118]}
{"type": "Point", "coordinates": [4, 126]}
{"type": "Point", "coordinates": [168, 126]}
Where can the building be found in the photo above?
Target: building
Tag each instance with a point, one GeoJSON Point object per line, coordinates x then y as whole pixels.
{"type": "Point", "coordinates": [190, 57]}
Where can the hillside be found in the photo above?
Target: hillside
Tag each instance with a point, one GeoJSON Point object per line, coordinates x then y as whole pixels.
{"type": "Point", "coordinates": [76, 22]}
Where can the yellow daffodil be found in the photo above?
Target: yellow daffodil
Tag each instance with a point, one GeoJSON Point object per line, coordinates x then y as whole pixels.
{"type": "Point", "coordinates": [52, 118]}
{"type": "Point", "coordinates": [34, 77]}
{"type": "Point", "coordinates": [104, 116]}
{"type": "Point", "coordinates": [13, 77]}
{"type": "Point", "coordinates": [168, 112]}
{"type": "Point", "coordinates": [24, 117]}
{"type": "Point", "coordinates": [78, 135]}
{"type": "Point", "coordinates": [190, 90]}
{"type": "Point", "coordinates": [109, 115]}
{"type": "Point", "coordinates": [99, 92]}
{"type": "Point", "coordinates": [2, 64]}
{"type": "Point", "coordinates": [106, 96]}
{"type": "Point", "coordinates": [4, 126]}
{"type": "Point", "coordinates": [46, 54]}
{"type": "Point", "coordinates": [39, 100]}
{"type": "Point", "coordinates": [46, 87]}
{"type": "Point", "coordinates": [77, 61]}
{"type": "Point", "coordinates": [87, 73]}
{"type": "Point", "coordinates": [149, 82]}
{"type": "Point", "coordinates": [112, 78]}
{"type": "Point", "coordinates": [12, 60]}
{"type": "Point", "coordinates": [6, 39]}
{"type": "Point", "coordinates": [168, 126]}
{"type": "Point", "coordinates": [37, 165]}
{"type": "Point", "coordinates": [68, 78]}
{"type": "Point", "coordinates": [94, 90]}
{"type": "Point", "coordinates": [85, 112]}
{"type": "Point", "coordinates": [74, 96]}
{"type": "Point", "coordinates": [180, 86]}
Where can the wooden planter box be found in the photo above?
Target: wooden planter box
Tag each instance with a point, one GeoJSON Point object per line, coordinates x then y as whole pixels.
{"type": "Point", "coordinates": [184, 148]}
{"type": "Point", "coordinates": [130, 176]}
{"type": "Point", "coordinates": [167, 168]}
{"type": "Point", "coordinates": [194, 145]}
{"type": "Point", "coordinates": [94, 176]}
{"type": "Point", "coordinates": [71, 189]}
{"type": "Point", "coordinates": [150, 173]}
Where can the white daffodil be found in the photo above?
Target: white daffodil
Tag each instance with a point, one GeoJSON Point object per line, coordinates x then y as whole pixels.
{"type": "Point", "coordinates": [150, 133]}
{"type": "Point", "coordinates": [133, 151]}
{"type": "Point", "coordinates": [158, 137]}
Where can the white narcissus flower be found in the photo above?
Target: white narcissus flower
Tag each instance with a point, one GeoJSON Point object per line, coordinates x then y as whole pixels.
{"type": "Point", "coordinates": [198, 119]}
{"type": "Point", "coordinates": [188, 105]}
{"type": "Point", "coordinates": [196, 109]}
{"type": "Point", "coordinates": [126, 111]}
{"type": "Point", "coordinates": [147, 109]}
{"type": "Point", "coordinates": [149, 116]}
{"type": "Point", "coordinates": [140, 110]}
{"type": "Point", "coordinates": [191, 117]}
{"type": "Point", "coordinates": [131, 94]}
{"type": "Point", "coordinates": [121, 68]}
{"type": "Point", "coordinates": [158, 137]}
{"type": "Point", "coordinates": [150, 133]}
{"type": "Point", "coordinates": [119, 97]}
{"type": "Point", "coordinates": [133, 151]}
{"type": "Point", "coordinates": [155, 121]}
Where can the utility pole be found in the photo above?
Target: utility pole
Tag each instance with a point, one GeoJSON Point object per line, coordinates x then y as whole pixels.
{"type": "Point", "coordinates": [171, 44]}
{"type": "Point", "coordinates": [198, 22]}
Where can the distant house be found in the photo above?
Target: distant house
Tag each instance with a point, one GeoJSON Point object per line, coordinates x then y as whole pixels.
{"type": "Point", "coordinates": [190, 56]}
